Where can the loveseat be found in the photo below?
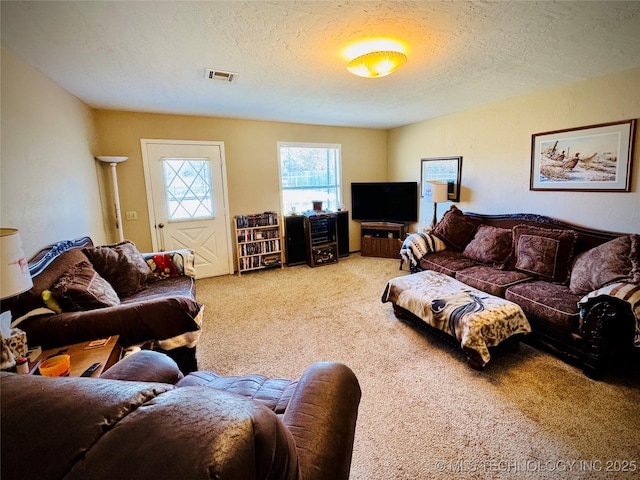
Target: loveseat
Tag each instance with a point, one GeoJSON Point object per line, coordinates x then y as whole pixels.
{"type": "Point", "coordinates": [84, 292]}
{"type": "Point", "coordinates": [204, 427]}
{"type": "Point", "coordinates": [578, 287]}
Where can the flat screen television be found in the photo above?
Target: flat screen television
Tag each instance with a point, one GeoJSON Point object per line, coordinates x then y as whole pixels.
{"type": "Point", "coordinates": [395, 202]}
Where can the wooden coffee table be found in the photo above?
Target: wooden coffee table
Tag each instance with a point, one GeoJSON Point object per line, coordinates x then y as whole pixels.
{"type": "Point", "coordinates": [83, 356]}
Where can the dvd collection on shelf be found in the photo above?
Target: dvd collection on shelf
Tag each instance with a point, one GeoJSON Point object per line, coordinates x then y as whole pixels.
{"type": "Point", "coordinates": [250, 263]}
{"type": "Point", "coordinates": [251, 234]}
{"type": "Point", "coordinates": [258, 220]}
{"type": "Point", "coordinates": [258, 241]}
{"type": "Point", "coordinates": [261, 247]}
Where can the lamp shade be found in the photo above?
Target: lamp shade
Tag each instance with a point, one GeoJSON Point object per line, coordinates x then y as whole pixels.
{"type": "Point", "coordinates": [376, 64]}
{"type": "Point", "coordinates": [15, 269]}
{"type": "Point", "coordinates": [436, 192]}
{"type": "Point", "coordinates": [111, 159]}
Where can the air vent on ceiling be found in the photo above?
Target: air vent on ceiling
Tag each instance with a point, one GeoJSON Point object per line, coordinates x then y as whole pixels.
{"type": "Point", "coordinates": [212, 74]}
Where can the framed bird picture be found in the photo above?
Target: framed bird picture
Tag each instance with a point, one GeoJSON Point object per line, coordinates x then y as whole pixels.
{"type": "Point", "coordinates": [443, 169]}
{"type": "Point", "coordinates": [592, 158]}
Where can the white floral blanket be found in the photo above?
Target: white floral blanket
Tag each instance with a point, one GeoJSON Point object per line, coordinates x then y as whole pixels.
{"type": "Point", "coordinates": [478, 320]}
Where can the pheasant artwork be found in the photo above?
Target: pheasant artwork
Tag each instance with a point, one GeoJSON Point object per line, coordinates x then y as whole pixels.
{"type": "Point", "coordinates": [571, 164]}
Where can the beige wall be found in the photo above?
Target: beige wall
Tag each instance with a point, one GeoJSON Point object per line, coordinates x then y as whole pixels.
{"type": "Point", "coordinates": [251, 159]}
{"type": "Point", "coordinates": [50, 189]}
{"type": "Point", "coordinates": [49, 186]}
{"type": "Point", "coordinates": [495, 143]}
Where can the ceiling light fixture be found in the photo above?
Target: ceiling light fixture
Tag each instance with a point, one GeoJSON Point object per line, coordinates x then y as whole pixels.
{"type": "Point", "coordinates": [376, 64]}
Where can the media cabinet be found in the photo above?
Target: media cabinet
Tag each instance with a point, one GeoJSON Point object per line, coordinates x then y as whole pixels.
{"type": "Point", "coordinates": [381, 239]}
{"type": "Point", "coordinates": [297, 239]}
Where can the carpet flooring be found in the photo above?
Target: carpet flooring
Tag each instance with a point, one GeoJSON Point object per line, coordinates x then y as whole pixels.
{"type": "Point", "coordinates": [424, 413]}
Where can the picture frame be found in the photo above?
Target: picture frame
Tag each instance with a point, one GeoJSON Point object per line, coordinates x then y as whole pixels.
{"type": "Point", "coordinates": [595, 158]}
{"type": "Point", "coordinates": [442, 169]}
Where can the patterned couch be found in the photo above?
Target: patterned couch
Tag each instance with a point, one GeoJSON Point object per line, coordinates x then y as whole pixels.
{"type": "Point", "coordinates": [84, 292]}
{"type": "Point", "coordinates": [579, 287]}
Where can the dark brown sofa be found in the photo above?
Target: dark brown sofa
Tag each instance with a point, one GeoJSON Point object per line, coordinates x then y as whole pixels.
{"type": "Point", "coordinates": [578, 287]}
{"type": "Point", "coordinates": [205, 427]}
{"type": "Point", "coordinates": [111, 290]}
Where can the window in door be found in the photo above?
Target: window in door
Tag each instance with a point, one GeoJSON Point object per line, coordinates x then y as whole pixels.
{"type": "Point", "coordinates": [309, 172]}
{"type": "Point", "coordinates": [188, 188]}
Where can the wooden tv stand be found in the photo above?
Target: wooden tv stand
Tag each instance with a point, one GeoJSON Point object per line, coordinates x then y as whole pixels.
{"type": "Point", "coordinates": [381, 239]}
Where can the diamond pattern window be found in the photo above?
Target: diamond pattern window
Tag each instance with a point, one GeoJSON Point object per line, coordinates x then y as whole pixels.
{"type": "Point", "coordinates": [188, 187]}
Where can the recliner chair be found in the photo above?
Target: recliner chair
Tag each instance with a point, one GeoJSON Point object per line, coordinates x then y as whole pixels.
{"type": "Point", "coordinates": [143, 419]}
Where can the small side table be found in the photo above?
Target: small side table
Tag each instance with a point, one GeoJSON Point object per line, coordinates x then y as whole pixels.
{"type": "Point", "coordinates": [83, 356]}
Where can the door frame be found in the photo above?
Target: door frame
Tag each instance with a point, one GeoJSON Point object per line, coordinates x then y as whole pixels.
{"type": "Point", "coordinates": [147, 181]}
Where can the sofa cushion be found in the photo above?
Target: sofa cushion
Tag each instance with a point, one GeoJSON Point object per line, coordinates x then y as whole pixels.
{"type": "Point", "coordinates": [615, 261]}
{"type": "Point", "coordinates": [491, 245]}
{"type": "Point", "coordinates": [456, 229]}
{"type": "Point", "coordinates": [491, 280]}
{"type": "Point", "coordinates": [274, 393]}
{"type": "Point", "coordinates": [447, 262]}
{"type": "Point", "coordinates": [122, 265]}
{"type": "Point", "coordinates": [82, 288]}
{"type": "Point", "coordinates": [543, 252]}
{"type": "Point", "coordinates": [550, 301]}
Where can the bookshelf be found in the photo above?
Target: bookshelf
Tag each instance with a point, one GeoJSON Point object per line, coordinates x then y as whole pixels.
{"type": "Point", "coordinates": [258, 241]}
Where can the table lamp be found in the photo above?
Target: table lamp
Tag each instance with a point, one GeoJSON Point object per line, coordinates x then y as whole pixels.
{"type": "Point", "coordinates": [15, 279]}
{"type": "Point", "coordinates": [436, 192]}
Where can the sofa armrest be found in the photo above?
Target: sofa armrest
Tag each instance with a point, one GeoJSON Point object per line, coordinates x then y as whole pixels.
{"type": "Point", "coordinates": [608, 325]}
{"type": "Point", "coordinates": [621, 300]}
{"type": "Point", "coordinates": [145, 366]}
{"type": "Point", "coordinates": [321, 416]}
{"type": "Point", "coordinates": [183, 260]}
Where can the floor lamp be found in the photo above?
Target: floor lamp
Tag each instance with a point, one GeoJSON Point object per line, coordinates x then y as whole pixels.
{"type": "Point", "coordinates": [114, 161]}
{"type": "Point", "coordinates": [436, 192]}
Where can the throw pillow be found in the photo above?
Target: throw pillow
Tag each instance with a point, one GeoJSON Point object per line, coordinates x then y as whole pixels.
{"type": "Point", "coordinates": [490, 245]}
{"type": "Point", "coordinates": [32, 299]}
{"type": "Point", "coordinates": [82, 288]}
{"type": "Point", "coordinates": [544, 252]}
{"type": "Point", "coordinates": [122, 265]}
{"type": "Point", "coordinates": [611, 262]}
{"type": "Point", "coordinates": [455, 229]}
{"type": "Point", "coordinates": [162, 266]}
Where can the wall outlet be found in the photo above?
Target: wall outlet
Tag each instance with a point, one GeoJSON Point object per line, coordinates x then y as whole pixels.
{"type": "Point", "coordinates": [132, 215]}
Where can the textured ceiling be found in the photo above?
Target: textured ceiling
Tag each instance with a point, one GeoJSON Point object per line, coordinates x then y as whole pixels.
{"type": "Point", "coordinates": [151, 56]}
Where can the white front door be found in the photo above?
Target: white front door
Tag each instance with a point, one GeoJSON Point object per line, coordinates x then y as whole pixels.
{"type": "Point", "coordinates": [187, 197]}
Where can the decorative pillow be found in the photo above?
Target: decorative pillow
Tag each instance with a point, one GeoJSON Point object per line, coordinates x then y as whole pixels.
{"type": "Point", "coordinates": [544, 252]}
{"type": "Point", "coordinates": [82, 288]}
{"type": "Point", "coordinates": [162, 266]}
{"type": "Point", "coordinates": [611, 262]}
{"type": "Point", "coordinates": [122, 265]}
{"type": "Point", "coordinates": [32, 299]}
{"type": "Point", "coordinates": [490, 245]}
{"type": "Point", "coordinates": [455, 229]}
